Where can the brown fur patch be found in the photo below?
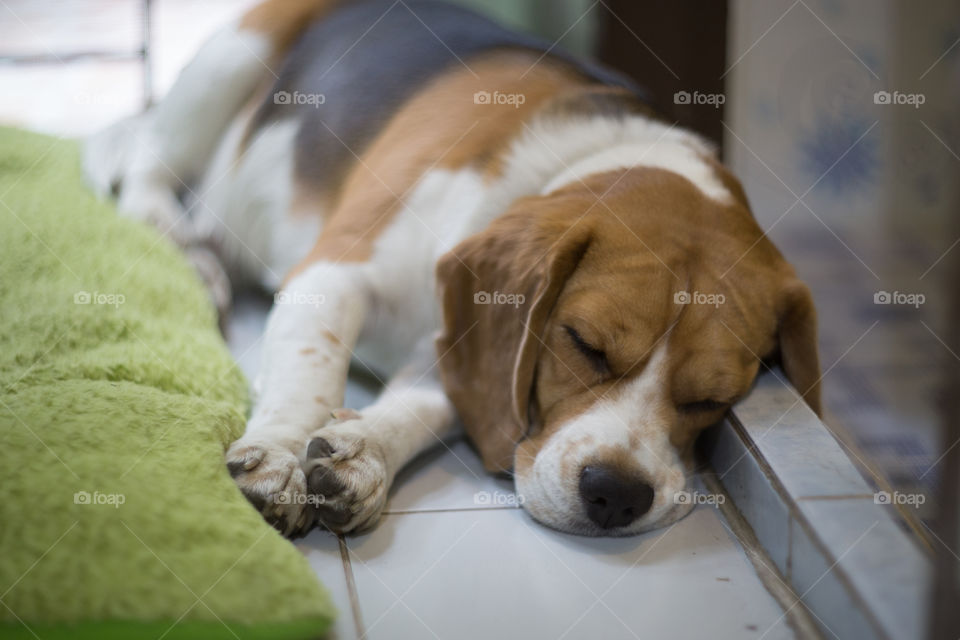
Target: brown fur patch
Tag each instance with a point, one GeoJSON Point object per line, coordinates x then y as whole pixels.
{"type": "Point", "coordinates": [284, 20]}
{"type": "Point", "coordinates": [440, 127]}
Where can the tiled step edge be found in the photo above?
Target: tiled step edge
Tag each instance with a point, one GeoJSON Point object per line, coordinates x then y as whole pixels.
{"type": "Point", "coordinates": [836, 540]}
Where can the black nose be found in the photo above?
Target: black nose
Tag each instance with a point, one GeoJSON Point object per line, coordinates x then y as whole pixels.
{"type": "Point", "coordinates": [613, 499]}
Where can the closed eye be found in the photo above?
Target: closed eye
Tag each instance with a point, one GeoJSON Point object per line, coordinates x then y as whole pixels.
{"type": "Point", "coordinates": [597, 358]}
{"type": "Point", "coordinates": [703, 406]}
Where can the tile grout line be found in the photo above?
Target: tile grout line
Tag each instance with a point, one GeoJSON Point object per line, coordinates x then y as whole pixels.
{"type": "Point", "coordinates": [796, 516]}
{"type": "Point", "coordinates": [776, 583]}
{"type": "Point", "coordinates": [845, 496]}
{"type": "Point", "coordinates": [351, 588]}
{"type": "Point", "coordinates": [406, 512]}
{"type": "Point", "coordinates": [866, 466]}
{"type": "Point", "coordinates": [789, 561]}
{"type": "Point", "coordinates": [352, 592]}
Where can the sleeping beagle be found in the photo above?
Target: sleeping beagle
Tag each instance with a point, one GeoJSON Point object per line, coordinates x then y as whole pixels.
{"type": "Point", "coordinates": [509, 234]}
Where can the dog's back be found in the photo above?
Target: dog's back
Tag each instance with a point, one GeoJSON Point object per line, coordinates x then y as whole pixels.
{"type": "Point", "coordinates": [349, 72]}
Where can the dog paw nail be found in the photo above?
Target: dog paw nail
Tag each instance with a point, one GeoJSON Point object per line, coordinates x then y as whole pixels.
{"type": "Point", "coordinates": [344, 414]}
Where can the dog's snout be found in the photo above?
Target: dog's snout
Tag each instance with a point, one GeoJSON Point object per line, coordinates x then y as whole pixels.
{"type": "Point", "coordinates": [613, 499]}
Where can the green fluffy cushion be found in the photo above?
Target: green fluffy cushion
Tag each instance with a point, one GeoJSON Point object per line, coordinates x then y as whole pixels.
{"type": "Point", "coordinates": [117, 399]}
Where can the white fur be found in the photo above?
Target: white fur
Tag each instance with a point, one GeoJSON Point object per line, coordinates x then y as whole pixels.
{"type": "Point", "coordinates": [216, 82]}
{"type": "Point", "coordinates": [309, 340]}
{"type": "Point", "coordinates": [637, 408]}
{"type": "Point", "coordinates": [244, 203]}
{"type": "Point", "coordinates": [681, 159]}
{"type": "Point", "coordinates": [158, 153]}
{"type": "Point", "coordinates": [598, 145]}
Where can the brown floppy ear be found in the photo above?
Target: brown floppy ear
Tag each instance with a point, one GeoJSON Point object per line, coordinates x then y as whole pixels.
{"type": "Point", "coordinates": [497, 290]}
{"type": "Point", "coordinates": [797, 333]}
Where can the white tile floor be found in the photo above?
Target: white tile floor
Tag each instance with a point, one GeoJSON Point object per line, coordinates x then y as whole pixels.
{"type": "Point", "coordinates": [495, 573]}
{"type": "Point", "coordinates": [452, 558]}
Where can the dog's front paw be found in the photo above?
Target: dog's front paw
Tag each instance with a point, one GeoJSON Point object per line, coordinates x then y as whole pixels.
{"type": "Point", "coordinates": [348, 477]}
{"type": "Point", "coordinates": [271, 478]}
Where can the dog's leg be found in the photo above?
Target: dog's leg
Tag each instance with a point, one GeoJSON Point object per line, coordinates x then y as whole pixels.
{"type": "Point", "coordinates": [310, 336]}
{"type": "Point", "coordinates": [352, 461]}
{"type": "Point", "coordinates": [147, 159]}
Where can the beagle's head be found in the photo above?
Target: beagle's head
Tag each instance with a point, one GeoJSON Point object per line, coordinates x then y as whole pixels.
{"type": "Point", "coordinates": [586, 343]}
